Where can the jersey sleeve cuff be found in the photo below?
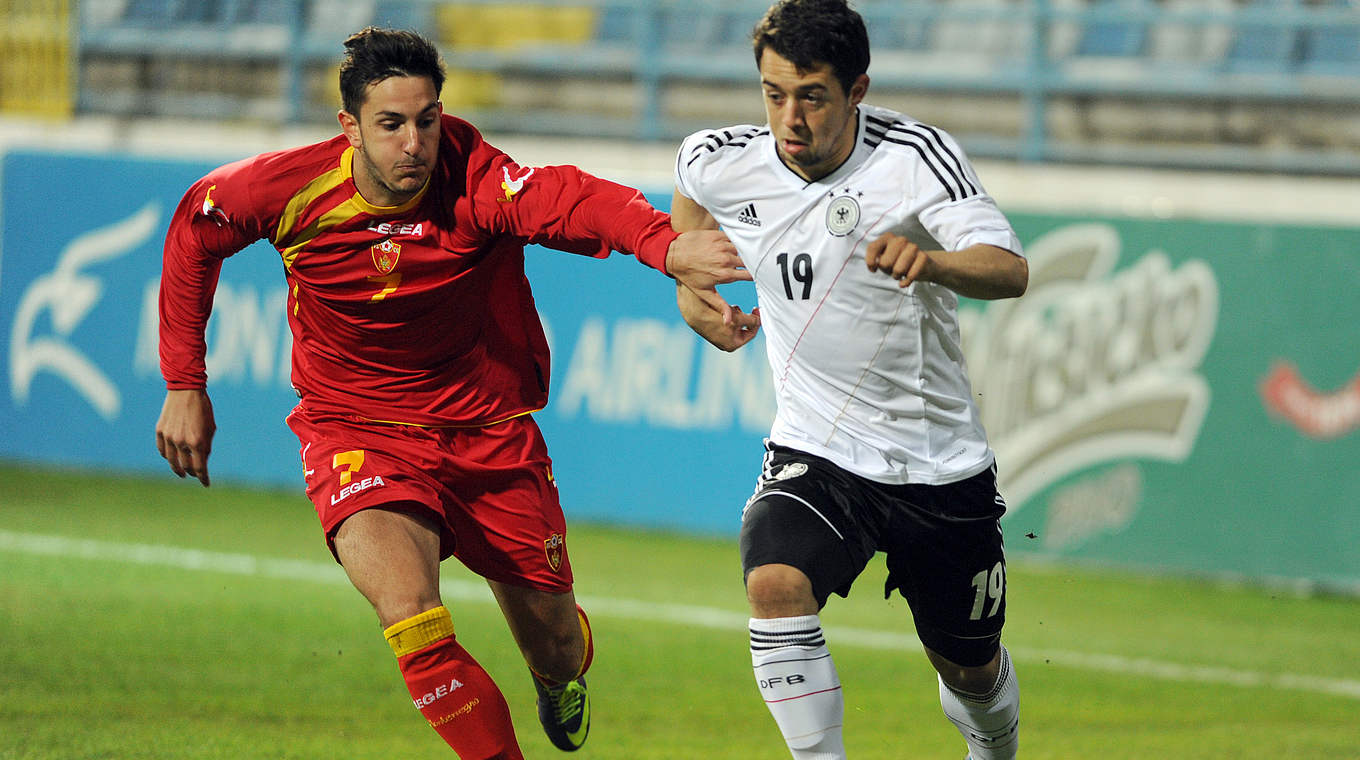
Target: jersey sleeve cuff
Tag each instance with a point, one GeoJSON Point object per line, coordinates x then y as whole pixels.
{"type": "Point", "coordinates": [653, 251]}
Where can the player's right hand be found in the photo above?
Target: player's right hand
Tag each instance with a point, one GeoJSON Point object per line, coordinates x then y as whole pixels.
{"type": "Point", "coordinates": [898, 258]}
{"type": "Point", "coordinates": [185, 431]}
{"type": "Point", "coordinates": [702, 259]}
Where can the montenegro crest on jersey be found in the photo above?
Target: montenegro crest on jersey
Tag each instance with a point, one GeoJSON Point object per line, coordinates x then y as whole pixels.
{"type": "Point", "coordinates": [385, 255]}
{"type": "Point", "coordinates": [552, 547]}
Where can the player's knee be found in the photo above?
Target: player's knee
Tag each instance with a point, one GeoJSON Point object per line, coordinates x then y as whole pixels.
{"type": "Point", "coordinates": [554, 646]}
{"type": "Point", "coordinates": [557, 657]}
{"type": "Point", "coordinates": [396, 602]}
{"type": "Point", "coordinates": [977, 677]}
{"type": "Point", "coordinates": [780, 591]}
{"type": "Point", "coordinates": [393, 609]}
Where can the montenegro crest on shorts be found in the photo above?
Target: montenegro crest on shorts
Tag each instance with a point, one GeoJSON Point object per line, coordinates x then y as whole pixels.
{"type": "Point", "coordinates": [552, 547]}
{"type": "Point", "coordinates": [385, 255]}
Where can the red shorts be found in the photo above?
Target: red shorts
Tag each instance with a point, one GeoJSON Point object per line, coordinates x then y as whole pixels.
{"type": "Point", "coordinates": [490, 489]}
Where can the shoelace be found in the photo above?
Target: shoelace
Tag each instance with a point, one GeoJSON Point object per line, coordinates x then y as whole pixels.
{"type": "Point", "coordinates": [566, 703]}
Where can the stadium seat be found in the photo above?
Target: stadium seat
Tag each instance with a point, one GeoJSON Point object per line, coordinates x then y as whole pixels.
{"type": "Point", "coordinates": [402, 15]}
{"type": "Point", "coordinates": [985, 29]}
{"type": "Point", "coordinates": [615, 25]}
{"type": "Point", "coordinates": [145, 11]}
{"type": "Point", "coordinates": [1064, 32]}
{"type": "Point", "coordinates": [1114, 38]}
{"type": "Point", "coordinates": [1192, 39]}
{"type": "Point", "coordinates": [264, 12]}
{"type": "Point", "coordinates": [1261, 48]}
{"type": "Point", "coordinates": [329, 21]}
{"type": "Point", "coordinates": [1333, 49]}
{"type": "Point", "coordinates": [895, 28]}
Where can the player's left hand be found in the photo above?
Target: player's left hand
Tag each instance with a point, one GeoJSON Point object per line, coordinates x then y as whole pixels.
{"type": "Point", "coordinates": [900, 258]}
{"type": "Point", "coordinates": [728, 328]}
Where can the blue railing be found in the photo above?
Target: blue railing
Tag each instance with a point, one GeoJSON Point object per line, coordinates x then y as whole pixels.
{"type": "Point", "coordinates": [1208, 56]}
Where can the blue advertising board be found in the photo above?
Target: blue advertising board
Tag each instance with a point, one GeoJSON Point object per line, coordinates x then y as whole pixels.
{"type": "Point", "coordinates": [642, 411]}
{"type": "Point", "coordinates": [1160, 397]}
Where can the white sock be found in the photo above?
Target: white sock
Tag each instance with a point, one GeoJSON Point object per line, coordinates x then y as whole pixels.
{"type": "Point", "coordinates": [989, 722]}
{"type": "Point", "coordinates": [798, 682]}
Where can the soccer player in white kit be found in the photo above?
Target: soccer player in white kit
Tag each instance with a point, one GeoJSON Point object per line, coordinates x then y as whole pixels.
{"type": "Point", "coordinates": [861, 227]}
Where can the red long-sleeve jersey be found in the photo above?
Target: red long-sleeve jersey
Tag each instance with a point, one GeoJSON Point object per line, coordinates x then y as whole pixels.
{"type": "Point", "coordinates": [418, 314]}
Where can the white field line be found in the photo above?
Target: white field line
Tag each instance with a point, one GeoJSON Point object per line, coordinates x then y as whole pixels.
{"type": "Point", "coordinates": [654, 612]}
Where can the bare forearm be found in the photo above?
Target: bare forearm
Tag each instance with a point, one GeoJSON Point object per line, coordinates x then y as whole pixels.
{"type": "Point", "coordinates": [727, 328]}
{"type": "Point", "coordinates": [980, 271]}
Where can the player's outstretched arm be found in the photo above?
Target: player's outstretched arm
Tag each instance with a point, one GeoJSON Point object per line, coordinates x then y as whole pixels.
{"type": "Point", "coordinates": [185, 431]}
{"type": "Point", "coordinates": [979, 271]}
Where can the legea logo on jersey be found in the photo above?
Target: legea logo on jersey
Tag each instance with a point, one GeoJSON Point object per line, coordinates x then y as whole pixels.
{"type": "Point", "coordinates": [1092, 365]}
{"type": "Point", "coordinates": [398, 229]}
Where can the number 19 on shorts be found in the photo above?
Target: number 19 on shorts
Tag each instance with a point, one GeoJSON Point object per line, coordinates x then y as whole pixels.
{"type": "Point", "coordinates": [988, 585]}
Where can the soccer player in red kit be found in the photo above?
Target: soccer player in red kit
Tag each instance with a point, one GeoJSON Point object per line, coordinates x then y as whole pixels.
{"type": "Point", "coordinates": [419, 358]}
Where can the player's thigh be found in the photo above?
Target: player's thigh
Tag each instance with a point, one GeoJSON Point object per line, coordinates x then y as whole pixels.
{"type": "Point", "coordinates": [351, 466]}
{"type": "Point", "coordinates": [507, 515]}
{"type": "Point", "coordinates": [802, 515]}
{"type": "Point", "coordinates": [392, 558]}
{"type": "Point", "coordinates": [945, 556]}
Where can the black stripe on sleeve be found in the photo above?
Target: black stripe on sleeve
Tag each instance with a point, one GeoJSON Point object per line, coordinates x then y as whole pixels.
{"type": "Point", "coordinates": [958, 163]}
{"type": "Point", "coordinates": [874, 129]}
{"type": "Point", "coordinates": [941, 160]}
{"type": "Point", "coordinates": [718, 139]}
{"type": "Point", "coordinates": [932, 165]}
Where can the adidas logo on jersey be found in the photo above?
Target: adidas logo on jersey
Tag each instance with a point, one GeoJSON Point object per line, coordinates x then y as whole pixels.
{"type": "Point", "coordinates": [748, 215]}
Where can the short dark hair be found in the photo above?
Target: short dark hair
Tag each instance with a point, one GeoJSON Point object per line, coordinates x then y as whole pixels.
{"type": "Point", "coordinates": [375, 54]}
{"type": "Point", "coordinates": [812, 32]}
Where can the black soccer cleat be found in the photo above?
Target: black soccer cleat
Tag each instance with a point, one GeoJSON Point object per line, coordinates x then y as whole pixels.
{"type": "Point", "coordinates": [564, 711]}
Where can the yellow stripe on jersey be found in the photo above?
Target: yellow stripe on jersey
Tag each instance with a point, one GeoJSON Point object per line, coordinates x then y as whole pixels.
{"type": "Point", "coordinates": [346, 210]}
{"type": "Point", "coordinates": [305, 197]}
{"type": "Point", "coordinates": [468, 426]}
{"type": "Point", "coordinates": [290, 243]}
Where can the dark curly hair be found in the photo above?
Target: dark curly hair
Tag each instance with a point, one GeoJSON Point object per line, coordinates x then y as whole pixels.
{"type": "Point", "coordinates": [374, 54]}
{"type": "Point", "coordinates": [812, 32]}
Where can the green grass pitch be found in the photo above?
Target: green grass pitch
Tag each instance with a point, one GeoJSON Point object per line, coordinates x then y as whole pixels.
{"type": "Point", "coordinates": [151, 618]}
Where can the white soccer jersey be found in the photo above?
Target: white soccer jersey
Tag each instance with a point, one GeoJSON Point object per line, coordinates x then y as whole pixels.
{"type": "Point", "coordinates": [867, 374]}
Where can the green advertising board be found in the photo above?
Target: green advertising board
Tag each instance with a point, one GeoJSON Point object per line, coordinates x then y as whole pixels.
{"type": "Point", "coordinates": [1183, 395]}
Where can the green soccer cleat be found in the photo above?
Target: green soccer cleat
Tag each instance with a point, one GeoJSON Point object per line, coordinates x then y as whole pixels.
{"type": "Point", "coordinates": [564, 711]}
